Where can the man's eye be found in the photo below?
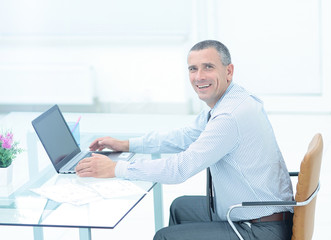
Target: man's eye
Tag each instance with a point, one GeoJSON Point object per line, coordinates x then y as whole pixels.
{"type": "Point", "coordinates": [191, 69]}
{"type": "Point", "coordinates": [209, 66]}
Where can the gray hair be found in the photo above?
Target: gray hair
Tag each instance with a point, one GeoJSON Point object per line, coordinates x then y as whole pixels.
{"type": "Point", "coordinates": [222, 50]}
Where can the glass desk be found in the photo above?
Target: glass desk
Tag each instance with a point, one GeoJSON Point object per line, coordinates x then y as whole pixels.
{"type": "Point", "coordinates": [26, 208]}
{"type": "Point", "coordinates": [22, 207]}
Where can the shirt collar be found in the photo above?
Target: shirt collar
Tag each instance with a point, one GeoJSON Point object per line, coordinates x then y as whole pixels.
{"type": "Point", "coordinates": [218, 102]}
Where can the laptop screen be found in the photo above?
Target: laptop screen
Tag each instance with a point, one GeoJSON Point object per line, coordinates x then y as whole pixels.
{"type": "Point", "coordinates": [55, 136]}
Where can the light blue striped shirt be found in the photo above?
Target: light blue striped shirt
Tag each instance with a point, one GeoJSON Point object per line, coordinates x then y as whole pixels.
{"type": "Point", "coordinates": [239, 145]}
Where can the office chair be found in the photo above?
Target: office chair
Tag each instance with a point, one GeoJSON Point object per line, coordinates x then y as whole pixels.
{"type": "Point", "coordinates": [305, 198]}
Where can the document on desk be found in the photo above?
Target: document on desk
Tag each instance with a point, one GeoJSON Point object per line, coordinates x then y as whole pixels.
{"type": "Point", "coordinates": [68, 193]}
{"type": "Point", "coordinates": [79, 191]}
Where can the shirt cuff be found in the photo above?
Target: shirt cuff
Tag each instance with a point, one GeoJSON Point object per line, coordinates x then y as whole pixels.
{"type": "Point", "coordinates": [121, 169]}
{"type": "Point", "coordinates": [136, 145]}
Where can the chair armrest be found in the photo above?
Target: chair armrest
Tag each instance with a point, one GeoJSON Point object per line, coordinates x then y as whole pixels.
{"type": "Point", "coordinates": [269, 203]}
{"type": "Point", "coordinates": [294, 174]}
{"type": "Point", "coordinates": [255, 204]}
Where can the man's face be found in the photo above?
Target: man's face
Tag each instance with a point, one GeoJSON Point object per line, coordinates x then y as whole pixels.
{"type": "Point", "coordinates": [208, 76]}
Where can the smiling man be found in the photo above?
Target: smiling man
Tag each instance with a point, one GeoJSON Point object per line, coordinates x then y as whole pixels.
{"type": "Point", "coordinates": [233, 140]}
{"type": "Point", "coordinates": [208, 75]}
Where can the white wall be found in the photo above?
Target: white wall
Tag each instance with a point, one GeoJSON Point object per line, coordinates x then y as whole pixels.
{"type": "Point", "coordinates": [131, 52]}
{"type": "Point", "coordinates": [135, 53]}
{"type": "Point", "coordinates": [280, 50]}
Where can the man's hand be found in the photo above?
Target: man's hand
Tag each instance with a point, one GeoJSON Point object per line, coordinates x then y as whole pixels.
{"type": "Point", "coordinates": [111, 143]}
{"type": "Point", "coordinates": [98, 165]}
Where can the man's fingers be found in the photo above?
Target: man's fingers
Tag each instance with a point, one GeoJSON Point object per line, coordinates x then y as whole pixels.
{"type": "Point", "coordinates": [85, 172]}
{"type": "Point", "coordinates": [98, 165]}
{"type": "Point", "coordinates": [95, 143]}
{"type": "Point", "coordinates": [81, 167]}
{"type": "Point", "coordinates": [86, 163]}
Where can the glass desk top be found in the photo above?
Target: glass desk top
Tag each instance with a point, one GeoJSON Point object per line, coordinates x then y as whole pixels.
{"type": "Point", "coordinates": [24, 207]}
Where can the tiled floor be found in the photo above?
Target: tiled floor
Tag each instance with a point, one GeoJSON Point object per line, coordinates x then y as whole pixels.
{"type": "Point", "coordinates": [293, 132]}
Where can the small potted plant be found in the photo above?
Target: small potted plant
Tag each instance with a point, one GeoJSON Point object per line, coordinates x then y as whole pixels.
{"type": "Point", "coordinates": [8, 149]}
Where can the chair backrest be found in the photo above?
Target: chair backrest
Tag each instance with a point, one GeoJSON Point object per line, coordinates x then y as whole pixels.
{"type": "Point", "coordinates": [308, 180]}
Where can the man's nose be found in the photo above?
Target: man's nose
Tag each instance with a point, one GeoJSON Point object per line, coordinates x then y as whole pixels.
{"type": "Point", "coordinates": [200, 75]}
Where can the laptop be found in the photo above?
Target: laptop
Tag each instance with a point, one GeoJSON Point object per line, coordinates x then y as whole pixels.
{"type": "Point", "coordinates": [60, 145]}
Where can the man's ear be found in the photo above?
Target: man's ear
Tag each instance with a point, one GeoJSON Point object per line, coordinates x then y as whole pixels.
{"type": "Point", "coordinates": [229, 70]}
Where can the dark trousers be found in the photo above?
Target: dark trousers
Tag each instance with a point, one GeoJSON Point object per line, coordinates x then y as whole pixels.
{"type": "Point", "coordinates": [189, 220]}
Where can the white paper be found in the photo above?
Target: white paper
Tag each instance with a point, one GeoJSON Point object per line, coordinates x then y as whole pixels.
{"type": "Point", "coordinates": [79, 191]}
{"type": "Point", "coordinates": [68, 193]}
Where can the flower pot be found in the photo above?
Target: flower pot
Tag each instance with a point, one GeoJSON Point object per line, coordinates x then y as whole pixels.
{"type": "Point", "coordinates": [6, 176]}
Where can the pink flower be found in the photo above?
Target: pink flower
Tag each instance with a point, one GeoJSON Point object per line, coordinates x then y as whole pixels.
{"type": "Point", "coordinates": [8, 149]}
{"type": "Point", "coordinates": [9, 138]}
{"type": "Point", "coordinates": [6, 143]}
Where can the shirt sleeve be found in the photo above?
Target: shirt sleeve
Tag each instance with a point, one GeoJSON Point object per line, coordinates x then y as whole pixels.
{"type": "Point", "coordinates": [174, 141]}
{"type": "Point", "coordinates": [219, 138]}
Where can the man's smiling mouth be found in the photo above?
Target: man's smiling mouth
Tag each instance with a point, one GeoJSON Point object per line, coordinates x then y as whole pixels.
{"type": "Point", "coordinates": [203, 86]}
